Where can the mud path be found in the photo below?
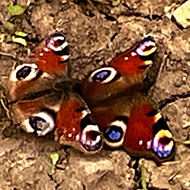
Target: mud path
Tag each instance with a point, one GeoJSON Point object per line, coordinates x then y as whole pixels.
{"type": "Point", "coordinates": [96, 31]}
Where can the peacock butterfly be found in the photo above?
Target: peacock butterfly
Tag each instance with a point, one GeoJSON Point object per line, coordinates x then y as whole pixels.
{"type": "Point", "coordinates": [108, 108]}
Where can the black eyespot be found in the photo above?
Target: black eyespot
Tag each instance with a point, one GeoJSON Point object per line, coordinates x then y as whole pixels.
{"type": "Point", "coordinates": [90, 137]}
{"type": "Point", "coordinates": [64, 51]}
{"type": "Point", "coordinates": [38, 123]}
{"type": "Point", "coordinates": [23, 72]}
{"type": "Point", "coordinates": [41, 123]}
{"type": "Point", "coordinates": [113, 133]}
{"type": "Point", "coordinates": [160, 124]}
{"type": "Point", "coordinates": [152, 113]}
{"type": "Point", "coordinates": [93, 141]}
{"type": "Point", "coordinates": [104, 75]}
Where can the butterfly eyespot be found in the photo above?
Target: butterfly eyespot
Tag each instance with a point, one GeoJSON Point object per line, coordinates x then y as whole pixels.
{"type": "Point", "coordinates": [147, 47]}
{"type": "Point", "coordinates": [58, 44]}
{"type": "Point", "coordinates": [114, 133]}
{"type": "Point", "coordinates": [41, 124]}
{"type": "Point", "coordinates": [91, 138]}
{"type": "Point", "coordinates": [104, 75]}
{"type": "Point", "coordinates": [25, 72]}
{"type": "Point", "coordinates": [163, 144]}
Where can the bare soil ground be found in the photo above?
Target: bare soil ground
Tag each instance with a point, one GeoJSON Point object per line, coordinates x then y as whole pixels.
{"type": "Point", "coordinates": [96, 31]}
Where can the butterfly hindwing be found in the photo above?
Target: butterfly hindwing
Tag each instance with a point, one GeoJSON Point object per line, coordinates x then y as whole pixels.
{"type": "Point", "coordinates": [37, 115]}
{"type": "Point", "coordinates": [75, 126]}
{"type": "Point", "coordinates": [67, 115]}
{"type": "Point", "coordinates": [135, 125]}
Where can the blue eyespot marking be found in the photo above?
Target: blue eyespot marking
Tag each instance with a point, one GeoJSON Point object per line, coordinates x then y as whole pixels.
{"type": "Point", "coordinates": [113, 133]}
{"type": "Point", "coordinates": [101, 75]}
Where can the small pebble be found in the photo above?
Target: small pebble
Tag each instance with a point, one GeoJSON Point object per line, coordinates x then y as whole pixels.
{"type": "Point", "coordinates": [182, 14]}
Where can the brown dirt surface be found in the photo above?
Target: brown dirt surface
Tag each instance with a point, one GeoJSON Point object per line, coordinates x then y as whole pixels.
{"type": "Point", "coordinates": [96, 31]}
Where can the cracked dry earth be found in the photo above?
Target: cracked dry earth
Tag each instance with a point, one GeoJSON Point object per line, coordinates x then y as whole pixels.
{"type": "Point", "coordinates": [96, 32]}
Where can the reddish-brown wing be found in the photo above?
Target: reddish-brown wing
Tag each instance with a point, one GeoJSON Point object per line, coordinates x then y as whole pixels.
{"type": "Point", "coordinates": [132, 123]}
{"type": "Point", "coordinates": [53, 54]}
{"type": "Point", "coordinates": [125, 73]}
{"type": "Point", "coordinates": [75, 127]}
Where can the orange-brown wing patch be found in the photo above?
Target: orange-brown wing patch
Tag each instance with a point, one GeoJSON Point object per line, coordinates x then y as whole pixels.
{"type": "Point", "coordinates": [49, 62]}
{"type": "Point", "coordinates": [139, 128]}
{"type": "Point", "coordinates": [69, 120]}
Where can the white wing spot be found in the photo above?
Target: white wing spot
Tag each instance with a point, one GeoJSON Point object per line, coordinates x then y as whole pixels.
{"type": "Point", "coordinates": [140, 142]}
{"type": "Point", "coordinates": [133, 54]}
{"type": "Point", "coordinates": [148, 144]}
{"type": "Point", "coordinates": [46, 49]}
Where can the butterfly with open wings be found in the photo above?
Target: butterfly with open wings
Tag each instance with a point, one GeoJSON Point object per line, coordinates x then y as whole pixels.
{"type": "Point", "coordinates": [109, 108]}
